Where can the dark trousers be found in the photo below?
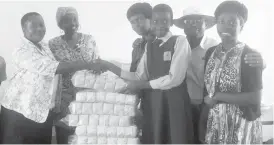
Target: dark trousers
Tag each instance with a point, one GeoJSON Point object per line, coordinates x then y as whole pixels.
{"type": "Point", "coordinates": [17, 129]}
{"type": "Point", "coordinates": [62, 134]}
{"type": "Point", "coordinates": [196, 111]}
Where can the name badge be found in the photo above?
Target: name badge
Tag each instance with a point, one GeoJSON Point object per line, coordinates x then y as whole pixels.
{"type": "Point", "coordinates": [167, 56]}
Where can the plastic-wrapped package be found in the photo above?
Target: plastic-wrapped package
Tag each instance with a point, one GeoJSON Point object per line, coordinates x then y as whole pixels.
{"type": "Point", "coordinates": [107, 81]}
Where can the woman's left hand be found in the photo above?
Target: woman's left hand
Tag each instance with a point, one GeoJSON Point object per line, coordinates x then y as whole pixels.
{"type": "Point", "coordinates": [210, 101]}
{"type": "Point", "coordinates": [132, 87]}
{"type": "Point", "coordinates": [254, 59]}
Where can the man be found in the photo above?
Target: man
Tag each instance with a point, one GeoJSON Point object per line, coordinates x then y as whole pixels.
{"type": "Point", "coordinates": [161, 74]}
{"type": "Point", "coordinates": [195, 23]}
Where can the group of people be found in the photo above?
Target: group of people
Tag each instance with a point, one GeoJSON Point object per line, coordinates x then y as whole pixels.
{"type": "Point", "coordinates": [192, 88]}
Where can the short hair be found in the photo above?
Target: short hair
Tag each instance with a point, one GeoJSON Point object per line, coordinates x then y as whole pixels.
{"type": "Point", "coordinates": [27, 16]}
{"type": "Point", "coordinates": [231, 6]}
{"type": "Point", "coordinates": [163, 8]}
{"type": "Point", "coordinates": [140, 8]}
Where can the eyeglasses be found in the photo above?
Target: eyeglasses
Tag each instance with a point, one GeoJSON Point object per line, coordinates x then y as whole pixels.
{"type": "Point", "coordinates": [193, 22]}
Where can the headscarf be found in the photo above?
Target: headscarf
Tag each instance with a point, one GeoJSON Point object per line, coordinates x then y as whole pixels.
{"type": "Point", "coordinates": [62, 11]}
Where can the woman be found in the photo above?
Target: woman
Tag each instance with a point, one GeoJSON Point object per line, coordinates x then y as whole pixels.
{"type": "Point", "coordinates": [72, 46]}
{"type": "Point", "coordinates": [233, 87]}
{"type": "Point", "coordinates": [27, 103]}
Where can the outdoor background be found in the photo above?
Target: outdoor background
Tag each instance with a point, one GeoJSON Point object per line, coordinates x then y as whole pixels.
{"type": "Point", "coordinates": [107, 22]}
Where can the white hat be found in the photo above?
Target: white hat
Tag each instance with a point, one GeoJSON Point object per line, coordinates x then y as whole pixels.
{"type": "Point", "coordinates": [194, 11]}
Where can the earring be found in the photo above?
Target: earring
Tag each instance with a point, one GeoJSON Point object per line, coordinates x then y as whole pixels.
{"type": "Point", "coordinates": [79, 28]}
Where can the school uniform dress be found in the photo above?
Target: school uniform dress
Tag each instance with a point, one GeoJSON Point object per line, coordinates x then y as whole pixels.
{"type": "Point", "coordinates": [166, 108]}
{"type": "Point", "coordinates": [27, 102]}
{"type": "Point", "coordinates": [195, 83]}
{"type": "Point", "coordinates": [227, 72]}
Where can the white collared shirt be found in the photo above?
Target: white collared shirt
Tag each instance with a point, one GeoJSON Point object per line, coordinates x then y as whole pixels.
{"type": "Point", "coordinates": [30, 91]}
{"type": "Point", "coordinates": [195, 71]}
{"type": "Point", "coordinates": [178, 68]}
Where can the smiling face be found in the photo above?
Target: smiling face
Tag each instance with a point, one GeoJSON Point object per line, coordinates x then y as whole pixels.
{"type": "Point", "coordinates": [194, 26]}
{"type": "Point", "coordinates": [160, 23]}
{"type": "Point", "coordinates": [140, 24]}
{"type": "Point", "coordinates": [229, 26]}
{"type": "Point", "coordinates": [69, 23]}
{"type": "Point", "coordinates": [34, 29]}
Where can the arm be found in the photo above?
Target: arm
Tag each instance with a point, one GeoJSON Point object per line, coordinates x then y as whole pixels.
{"type": "Point", "coordinates": [242, 99]}
{"type": "Point", "coordinates": [37, 63]}
{"type": "Point", "coordinates": [255, 59]}
{"type": "Point", "coordinates": [178, 68]}
{"type": "Point", "coordinates": [3, 74]}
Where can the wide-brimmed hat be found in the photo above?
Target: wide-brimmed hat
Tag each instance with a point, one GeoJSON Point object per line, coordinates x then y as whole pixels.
{"type": "Point", "coordinates": [192, 11]}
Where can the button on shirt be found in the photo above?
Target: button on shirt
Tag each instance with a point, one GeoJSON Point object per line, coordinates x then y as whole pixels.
{"type": "Point", "coordinates": [30, 91]}
{"type": "Point", "coordinates": [178, 68]}
{"type": "Point", "coordinates": [195, 71]}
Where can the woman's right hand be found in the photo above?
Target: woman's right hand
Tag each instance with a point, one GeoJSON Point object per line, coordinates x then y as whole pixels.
{"type": "Point", "coordinates": [98, 67]}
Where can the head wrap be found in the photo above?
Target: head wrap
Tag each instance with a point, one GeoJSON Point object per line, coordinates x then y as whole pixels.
{"type": "Point", "coordinates": [232, 6]}
{"type": "Point", "coordinates": [62, 11]}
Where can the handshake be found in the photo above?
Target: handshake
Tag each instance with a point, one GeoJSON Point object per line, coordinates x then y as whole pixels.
{"type": "Point", "coordinates": [99, 66]}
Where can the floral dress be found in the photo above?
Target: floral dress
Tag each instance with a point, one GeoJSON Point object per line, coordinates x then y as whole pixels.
{"type": "Point", "coordinates": [226, 72]}
{"type": "Point", "coordinates": [85, 50]}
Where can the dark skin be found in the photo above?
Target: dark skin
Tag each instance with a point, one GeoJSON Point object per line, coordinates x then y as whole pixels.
{"type": "Point", "coordinates": [34, 30]}
{"type": "Point", "coordinates": [229, 27]}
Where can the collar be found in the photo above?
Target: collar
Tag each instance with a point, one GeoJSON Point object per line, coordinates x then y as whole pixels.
{"type": "Point", "coordinates": [166, 37]}
{"type": "Point", "coordinates": [203, 42]}
{"type": "Point", "coordinates": [25, 41]}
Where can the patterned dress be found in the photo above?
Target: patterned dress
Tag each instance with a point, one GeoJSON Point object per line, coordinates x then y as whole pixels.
{"type": "Point", "coordinates": [226, 72]}
{"type": "Point", "coordinates": [85, 50]}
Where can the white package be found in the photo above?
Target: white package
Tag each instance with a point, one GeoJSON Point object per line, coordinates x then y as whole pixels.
{"type": "Point", "coordinates": [120, 132]}
{"type": "Point", "coordinates": [112, 131]}
{"type": "Point", "coordinates": [91, 130]}
{"type": "Point", "coordinates": [87, 108]}
{"type": "Point", "coordinates": [97, 108]}
{"type": "Point", "coordinates": [81, 130]}
{"type": "Point", "coordinates": [81, 96]}
{"type": "Point", "coordinates": [71, 120]}
{"type": "Point", "coordinates": [122, 141]}
{"type": "Point", "coordinates": [110, 86]}
{"type": "Point", "coordinates": [110, 98]}
{"type": "Point", "coordinates": [119, 109]}
{"type": "Point", "coordinates": [92, 140]}
{"type": "Point", "coordinates": [94, 120]}
{"type": "Point", "coordinates": [83, 120]}
{"type": "Point", "coordinates": [112, 140]}
{"type": "Point", "coordinates": [124, 121]}
{"type": "Point", "coordinates": [129, 110]}
{"type": "Point", "coordinates": [100, 96]}
{"type": "Point", "coordinates": [130, 100]}
{"type": "Point", "coordinates": [82, 140]}
{"type": "Point", "coordinates": [102, 140]}
{"type": "Point", "coordinates": [133, 141]}
{"type": "Point", "coordinates": [91, 97]}
{"type": "Point", "coordinates": [103, 120]}
{"type": "Point", "coordinates": [120, 98]}
{"type": "Point", "coordinates": [101, 131]}
{"type": "Point", "coordinates": [75, 108]}
{"type": "Point", "coordinates": [108, 108]}
{"type": "Point", "coordinates": [114, 121]}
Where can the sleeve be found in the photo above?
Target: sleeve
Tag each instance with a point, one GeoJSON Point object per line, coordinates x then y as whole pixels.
{"type": "Point", "coordinates": [251, 77]}
{"type": "Point", "coordinates": [178, 68]}
{"type": "Point", "coordinates": [35, 62]}
{"type": "Point", "coordinates": [134, 54]}
{"type": "Point", "coordinates": [141, 72]}
{"type": "Point", "coordinates": [3, 74]}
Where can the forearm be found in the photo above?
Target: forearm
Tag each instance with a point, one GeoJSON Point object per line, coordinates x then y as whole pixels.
{"type": "Point", "coordinates": [68, 67]}
{"type": "Point", "coordinates": [113, 68]}
{"type": "Point", "coordinates": [242, 99]}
